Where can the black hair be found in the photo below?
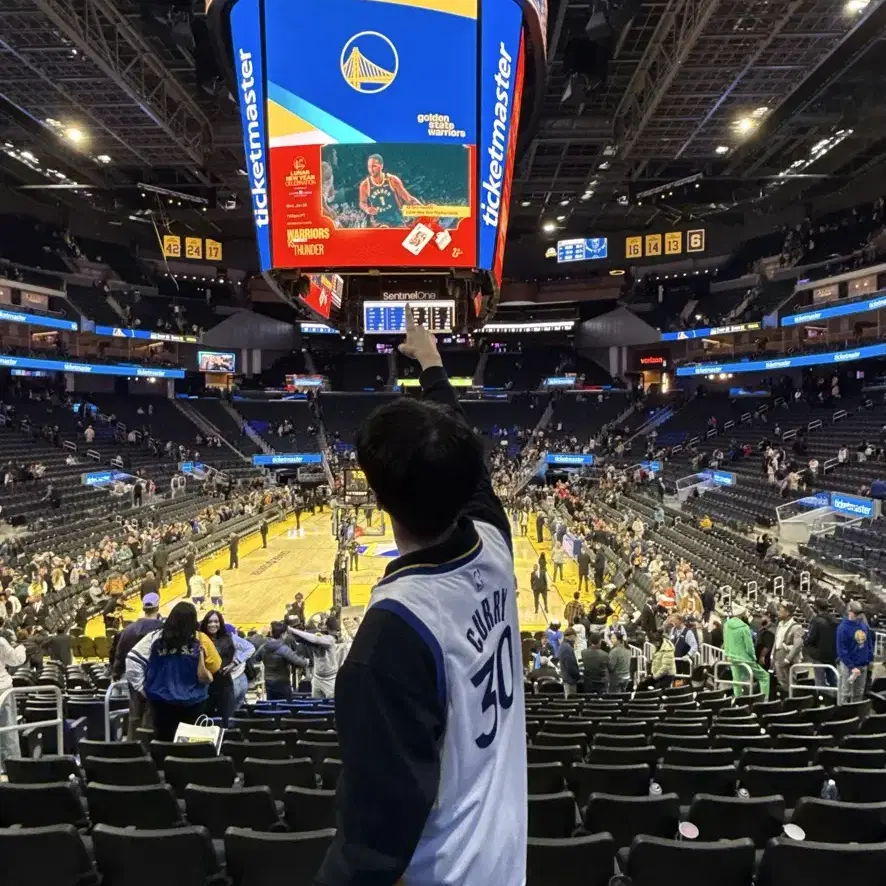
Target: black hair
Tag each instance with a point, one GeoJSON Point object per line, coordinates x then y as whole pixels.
{"type": "Point", "coordinates": [180, 627]}
{"type": "Point", "coordinates": [595, 639]}
{"type": "Point", "coordinates": [422, 461]}
{"type": "Point", "coordinates": [278, 629]}
{"type": "Point", "coordinates": [376, 157]}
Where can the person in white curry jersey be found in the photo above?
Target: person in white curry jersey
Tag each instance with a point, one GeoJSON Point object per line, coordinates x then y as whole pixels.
{"type": "Point", "coordinates": [429, 702]}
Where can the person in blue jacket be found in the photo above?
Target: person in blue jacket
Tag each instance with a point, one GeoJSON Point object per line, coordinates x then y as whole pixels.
{"type": "Point", "coordinates": [855, 652]}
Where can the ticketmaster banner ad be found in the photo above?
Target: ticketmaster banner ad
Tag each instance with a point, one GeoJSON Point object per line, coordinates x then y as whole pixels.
{"type": "Point", "coordinates": [380, 133]}
{"type": "Point", "coordinates": [90, 368]}
{"type": "Point", "coordinates": [287, 458]}
{"type": "Point", "coordinates": [859, 307]}
{"type": "Point", "coordinates": [854, 505]}
{"type": "Point", "coordinates": [569, 459]}
{"type": "Point", "coordinates": [784, 362]}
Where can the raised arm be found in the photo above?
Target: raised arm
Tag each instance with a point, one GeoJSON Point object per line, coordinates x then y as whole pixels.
{"type": "Point", "coordinates": [421, 345]}
{"type": "Point", "coordinates": [313, 639]}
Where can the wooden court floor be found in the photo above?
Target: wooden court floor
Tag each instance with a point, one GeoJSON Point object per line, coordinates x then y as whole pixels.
{"type": "Point", "coordinates": [302, 560]}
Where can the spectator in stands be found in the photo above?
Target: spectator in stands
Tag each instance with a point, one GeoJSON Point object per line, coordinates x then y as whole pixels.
{"type": "Point", "coordinates": [764, 642]}
{"type": "Point", "coordinates": [663, 667]}
{"type": "Point", "coordinates": [738, 647]}
{"type": "Point", "coordinates": [221, 691]}
{"type": "Point", "coordinates": [297, 608]}
{"type": "Point", "coordinates": [558, 558]}
{"type": "Point", "coordinates": [12, 655]}
{"type": "Point", "coordinates": [568, 664]}
{"type": "Point", "coordinates": [538, 581]}
{"type": "Point", "coordinates": [149, 585]}
{"type": "Point", "coordinates": [584, 568]}
{"type": "Point", "coordinates": [574, 610]}
{"type": "Point", "coordinates": [216, 590]}
{"type": "Point", "coordinates": [234, 551]}
{"type": "Point", "coordinates": [58, 647]}
{"type": "Point", "coordinates": [263, 529]}
{"type": "Point", "coordinates": [648, 620]}
{"type": "Point", "coordinates": [619, 663]}
{"type": "Point", "coordinates": [595, 663]}
{"type": "Point", "coordinates": [599, 567]}
{"type": "Point", "coordinates": [280, 662]}
{"type": "Point", "coordinates": [820, 645]}
{"type": "Point", "coordinates": [545, 670]}
{"type": "Point", "coordinates": [125, 641]}
{"type": "Point", "coordinates": [172, 667]}
{"type": "Point", "coordinates": [161, 558]}
{"type": "Point", "coordinates": [788, 645]}
{"type": "Point", "coordinates": [326, 657]}
{"type": "Point", "coordinates": [539, 528]}
{"type": "Point", "coordinates": [855, 652]}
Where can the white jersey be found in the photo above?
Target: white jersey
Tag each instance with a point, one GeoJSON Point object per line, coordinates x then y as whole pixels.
{"type": "Point", "coordinates": [216, 585]}
{"type": "Point", "coordinates": [476, 832]}
{"type": "Point", "coordinates": [197, 586]}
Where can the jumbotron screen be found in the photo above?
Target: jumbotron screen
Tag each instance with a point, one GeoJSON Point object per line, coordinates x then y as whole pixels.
{"type": "Point", "coordinates": [389, 318]}
{"type": "Point", "coordinates": [370, 154]}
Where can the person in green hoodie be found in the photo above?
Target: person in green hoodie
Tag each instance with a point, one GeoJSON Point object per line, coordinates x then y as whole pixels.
{"type": "Point", "coordinates": [738, 646]}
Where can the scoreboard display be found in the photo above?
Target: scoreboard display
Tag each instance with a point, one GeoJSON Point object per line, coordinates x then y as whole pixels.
{"type": "Point", "coordinates": [588, 249]}
{"type": "Point", "coordinates": [389, 318]}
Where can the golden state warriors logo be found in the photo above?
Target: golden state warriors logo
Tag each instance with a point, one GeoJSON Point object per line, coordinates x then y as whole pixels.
{"type": "Point", "coordinates": [369, 62]}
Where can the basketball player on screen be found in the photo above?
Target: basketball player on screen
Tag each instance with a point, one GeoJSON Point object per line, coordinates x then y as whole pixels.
{"type": "Point", "coordinates": [383, 194]}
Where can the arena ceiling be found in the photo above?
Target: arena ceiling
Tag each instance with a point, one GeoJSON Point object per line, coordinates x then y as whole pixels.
{"type": "Point", "coordinates": [738, 91]}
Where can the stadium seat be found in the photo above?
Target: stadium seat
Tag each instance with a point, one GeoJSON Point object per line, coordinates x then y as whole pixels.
{"type": "Point", "coordinates": [548, 739]}
{"type": "Point", "coordinates": [121, 771]}
{"type": "Point", "coordinates": [41, 805]}
{"type": "Point", "coordinates": [704, 757]}
{"type": "Point", "coordinates": [219, 808]}
{"type": "Point", "coordinates": [110, 749]}
{"type": "Point", "coordinates": [611, 740]}
{"type": "Point", "coordinates": [606, 756]}
{"type": "Point", "coordinates": [567, 754]}
{"type": "Point", "coordinates": [830, 758]}
{"type": "Point", "coordinates": [726, 862]}
{"type": "Point", "coordinates": [731, 818]}
{"type": "Point", "coordinates": [330, 773]}
{"type": "Point", "coordinates": [43, 770]}
{"type": "Point", "coordinates": [144, 806]}
{"type": "Point", "coordinates": [198, 750]}
{"type": "Point", "coordinates": [579, 861]}
{"type": "Point", "coordinates": [860, 785]}
{"type": "Point", "coordinates": [656, 815]}
{"type": "Point", "coordinates": [687, 781]}
{"type": "Point", "coordinates": [791, 783]}
{"type": "Point", "coordinates": [544, 778]}
{"type": "Point", "coordinates": [309, 809]}
{"type": "Point", "coordinates": [290, 736]}
{"type": "Point", "coordinates": [830, 821]}
{"type": "Point", "coordinates": [872, 741]}
{"type": "Point", "coordinates": [780, 757]}
{"type": "Point", "coordinates": [664, 740]}
{"type": "Point", "coordinates": [213, 772]}
{"type": "Point", "coordinates": [318, 751]}
{"type": "Point", "coordinates": [792, 863]}
{"type": "Point", "coordinates": [255, 858]}
{"type": "Point", "coordinates": [278, 774]}
{"type": "Point", "coordinates": [238, 751]}
{"type": "Point", "coordinates": [585, 779]}
{"type": "Point", "coordinates": [54, 854]}
{"type": "Point", "coordinates": [173, 856]}
{"type": "Point", "coordinates": [552, 815]}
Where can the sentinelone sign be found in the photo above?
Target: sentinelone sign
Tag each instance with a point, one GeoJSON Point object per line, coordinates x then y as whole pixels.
{"type": "Point", "coordinates": [90, 368]}
{"type": "Point", "coordinates": [785, 362]}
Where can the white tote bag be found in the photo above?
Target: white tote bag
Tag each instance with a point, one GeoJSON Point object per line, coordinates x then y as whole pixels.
{"type": "Point", "coordinates": [203, 731]}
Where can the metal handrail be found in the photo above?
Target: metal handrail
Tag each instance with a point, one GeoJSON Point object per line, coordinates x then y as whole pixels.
{"type": "Point", "coordinates": [109, 694]}
{"type": "Point", "coordinates": [58, 722]}
{"type": "Point", "coordinates": [805, 666]}
{"type": "Point", "coordinates": [742, 664]}
{"type": "Point", "coordinates": [710, 654]}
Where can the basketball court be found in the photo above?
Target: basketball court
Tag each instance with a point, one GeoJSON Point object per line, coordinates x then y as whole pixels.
{"type": "Point", "coordinates": [301, 561]}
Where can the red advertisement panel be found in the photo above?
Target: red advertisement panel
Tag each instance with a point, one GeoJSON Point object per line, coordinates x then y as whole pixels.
{"type": "Point", "coordinates": [373, 205]}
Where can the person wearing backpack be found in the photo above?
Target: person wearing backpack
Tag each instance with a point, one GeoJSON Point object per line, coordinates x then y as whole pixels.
{"type": "Point", "coordinates": [172, 668]}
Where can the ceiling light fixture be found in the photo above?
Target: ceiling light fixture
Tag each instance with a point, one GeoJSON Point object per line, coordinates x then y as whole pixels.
{"type": "Point", "coordinates": [524, 203]}
{"type": "Point", "coordinates": [73, 134]}
{"type": "Point", "coordinates": [854, 7]}
{"type": "Point", "coordinates": [564, 202]}
{"type": "Point", "coordinates": [561, 217]}
{"type": "Point", "coordinates": [103, 158]}
{"type": "Point", "coordinates": [548, 226]}
{"type": "Point", "coordinates": [721, 149]}
{"type": "Point", "coordinates": [745, 125]}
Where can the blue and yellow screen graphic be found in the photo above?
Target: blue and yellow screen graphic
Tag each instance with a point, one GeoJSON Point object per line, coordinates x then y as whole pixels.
{"type": "Point", "coordinates": [379, 133]}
